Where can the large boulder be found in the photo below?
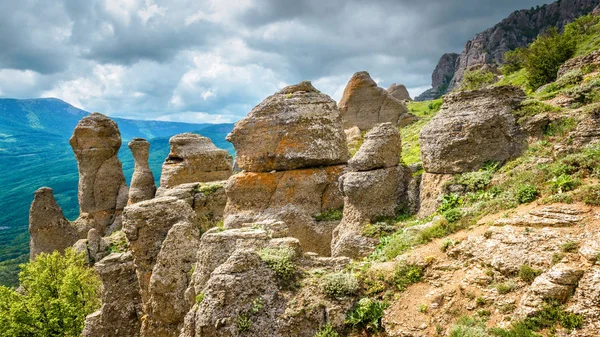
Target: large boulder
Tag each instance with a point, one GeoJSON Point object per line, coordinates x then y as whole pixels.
{"type": "Point", "coordinates": [364, 104]}
{"type": "Point", "coordinates": [121, 311]}
{"type": "Point", "coordinates": [142, 183]}
{"type": "Point", "coordinates": [473, 127]}
{"type": "Point", "coordinates": [399, 91]}
{"type": "Point", "coordinates": [102, 191]}
{"type": "Point", "coordinates": [297, 127]}
{"type": "Point", "coordinates": [194, 158]}
{"type": "Point", "coordinates": [293, 196]}
{"type": "Point", "coordinates": [49, 230]}
{"type": "Point", "coordinates": [381, 149]}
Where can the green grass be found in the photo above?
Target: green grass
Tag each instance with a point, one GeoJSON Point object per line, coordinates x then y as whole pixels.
{"type": "Point", "coordinates": [411, 150]}
{"type": "Point", "coordinates": [517, 79]}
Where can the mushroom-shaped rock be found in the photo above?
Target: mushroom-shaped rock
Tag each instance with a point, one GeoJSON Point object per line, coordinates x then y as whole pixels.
{"type": "Point", "coordinates": [297, 127]}
{"type": "Point", "coordinates": [381, 149]}
{"type": "Point", "coordinates": [194, 158]}
{"type": "Point", "coordinates": [49, 230]}
{"type": "Point", "coordinates": [364, 104]}
{"type": "Point", "coordinates": [96, 141]}
{"type": "Point", "coordinates": [399, 91]}
{"type": "Point", "coordinates": [473, 127]}
{"type": "Point", "coordinates": [142, 183]}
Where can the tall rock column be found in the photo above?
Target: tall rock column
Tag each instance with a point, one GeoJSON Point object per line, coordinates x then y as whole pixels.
{"type": "Point", "coordinates": [49, 230]}
{"type": "Point", "coordinates": [375, 186]}
{"type": "Point", "coordinates": [292, 149]}
{"type": "Point", "coordinates": [142, 183]}
{"type": "Point", "coordinates": [102, 190]}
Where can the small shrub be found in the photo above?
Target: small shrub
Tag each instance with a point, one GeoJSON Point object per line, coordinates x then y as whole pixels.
{"type": "Point", "coordinates": [569, 247]}
{"type": "Point", "coordinates": [513, 61]}
{"type": "Point", "coordinates": [527, 193]}
{"type": "Point", "coordinates": [477, 79]}
{"type": "Point", "coordinates": [378, 229]}
{"type": "Point", "coordinates": [452, 215]}
{"type": "Point", "coordinates": [488, 234]}
{"type": "Point", "coordinates": [563, 183]}
{"type": "Point", "coordinates": [505, 288]}
{"type": "Point", "coordinates": [469, 327]}
{"type": "Point", "coordinates": [407, 274]}
{"type": "Point", "coordinates": [560, 127]}
{"type": "Point", "coordinates": [475, 181]}
{"type": "Point", "coordinates": [435, 105]}
{"type": "Point", "coordinates": [207, 189]}
{"type": "Point", "coordinates": [330, 215]}
{"type": "Point", "coordinates": [326, 331]}
{"type": "Point", "coordinates": [366, 314]}
{"type": "Point", "coordinates": [591, 195]}
{"type": "Point", "coordinates": [423, 308]}
{"type": "Point", "coordinates": [449, 201]}
{"type": "Point", "coordinates": [547, 318]}
{"type": "Point", "coordinates": [340, 284]}
{"type": "Point", "coordinates": [243, 322]}
{"type": "Point", "coordinates": [280, 261]}
{"type": "Point", "coordinates": [557, 257]}
{"type": "Point", "coordinates": [528, 274]}
{"type": "Point", "coordinates": [480, 301]}
{"type": "Point", "coordinates": [446, 244]}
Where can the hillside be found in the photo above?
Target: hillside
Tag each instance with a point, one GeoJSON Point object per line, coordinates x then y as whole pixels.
{"type": "Point", "coordinates": [34, 145]}
{"type": "Point", "coordinates": [488, 47]}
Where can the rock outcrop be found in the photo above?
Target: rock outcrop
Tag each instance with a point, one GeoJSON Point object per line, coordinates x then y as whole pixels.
{"type": "Point", "coordinates": [375, 187]}
{"type": "Point", "coordinates": [121, 310]}
{"type": "Point", "coordinates": [592, 59]}
{"type": "Point", "coordinates": [192, 159]}
{"type": "Point", "coordinates": [441, 77]}
{"type": "Point", "coordinates": [472, 128]}
{"type": "Point", "coordinates": [49, 230]}
{"type": "Point", "coordinates": [518, 30]}
{"type": "Point", "coordinates": [102, 190]}
{"type": "Point", "coordinates": [365, 105]}
{"type": "Point", "coordinates": [399, 91]}
{"type": "Point", "coordinates": [298, 127]}
{"type": "Point", "coordinates": [293, 148]}
{"type": "Point", "coordinates": [142, 183]}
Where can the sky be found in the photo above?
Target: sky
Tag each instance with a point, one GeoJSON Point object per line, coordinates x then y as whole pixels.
{"type": "Point", "coordinates": [212, 61]}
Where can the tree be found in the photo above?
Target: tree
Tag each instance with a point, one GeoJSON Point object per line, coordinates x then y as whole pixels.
{"type": "Point", "coordinates": [58, 292]}
{"type": "Point", "coordinates": [545, 56]}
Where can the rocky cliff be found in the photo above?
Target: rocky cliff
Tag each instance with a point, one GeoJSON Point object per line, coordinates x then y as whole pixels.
{"type": "Point", "coordinates": [488, 47]}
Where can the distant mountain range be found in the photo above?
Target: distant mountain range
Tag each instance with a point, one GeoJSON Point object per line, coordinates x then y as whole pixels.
{"type": "Point", "coordinates": [35, 152]}
{"type": "Point", "coordinates": [488, 47]}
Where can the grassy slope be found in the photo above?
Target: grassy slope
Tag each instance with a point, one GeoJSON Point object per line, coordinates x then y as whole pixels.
{"type": "Point", "coordinates": [411, 151]}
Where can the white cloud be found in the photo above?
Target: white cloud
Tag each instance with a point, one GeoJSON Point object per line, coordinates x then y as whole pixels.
{"type": "Point", "coordinates": [197, 117]}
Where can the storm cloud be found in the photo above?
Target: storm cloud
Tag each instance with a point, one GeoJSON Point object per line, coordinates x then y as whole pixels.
{"type": "Point", "coordinates": [213, 60]}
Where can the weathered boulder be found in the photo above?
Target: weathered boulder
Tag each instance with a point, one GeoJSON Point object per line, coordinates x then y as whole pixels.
{"type": "Point", "coordinates": [102, 191]}
{"type": "Point", "coordinates": [49, 230]}
{"type": "Point", "coordinates": [586, 302]}
{"type": "Point", "coordinates": [473, 127]}
{"type": "Point", "coordinates": [171, 274]}
{"type": "Point", "coordinates": [381, 149]}
{"type": "Point", "coordinates": [575, 63]}
{"type": "Point", "coordinates": [293, 196]}
{"type": "Point", "coordinates": [432, 187]}
{"type": "Point", "coordinates": [207, 199]}
{"type": "Point", "coordinates": [121, 310]}
{"type": "Point", "coordinates": [192, 159]}
{"type": "Point", "coordinates": [550, 216]}
{"type": "Point", "coordinates": [364, 104]}
{"type": "Point", "coordinates": [146, 225]}
{"type": "Point", "coordinates": [367, 195]}
{"type": "Point", "coordinates": [399, 91]}
{"type": "Point", "coordinates": [298, 127]}
{"type": "Point", "coordinates": [587, 130]}
{"type": "Point", "coordinates": [142, 183]}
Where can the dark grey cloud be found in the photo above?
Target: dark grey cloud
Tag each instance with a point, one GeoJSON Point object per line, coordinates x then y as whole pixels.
{"type": "Point", "coordinates": [212, 60]}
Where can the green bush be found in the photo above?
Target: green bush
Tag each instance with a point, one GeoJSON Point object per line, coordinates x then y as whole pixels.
{"type": "Point", "coordinates": [527, 193]}
{"type": "Point", "coordinates": [58, 292]}
{"type": "Point", "coordinates": [469, 327]}
{"type": "Point", "coordinates": [474, 181]}
{"type": "Point", "coordinates": [452, 215]}
{"type": "Point", "coordinates": [449, 201]}
{"type": "Point", "coordinates": [563, 183]}
{"type": "Point", "coordinates": [407, 274]}
{"type": "Point", "coordinates": [545, 56]}
{"type": "Point", "coordinates": [528, 274]}
{"type": "Point", "coordinates": [569, 247]}
{"type": "Point", "coordinates": [513, 61]}
{"type": "Point", "coordinates": [280, 261]}
{"type": "Point", "coordinates": [330, 215]}
{"type": "Point", "coordinates": [477, 79]}
{"type": "Point", "coordinates": [326, 331]}
{"type": "Point", "coordinates": [505, 288]}
{"type": "Point", "coordinates": [591, 195]}
{"type": "Point", "coordinates": [366, 314]}
{"type": "Point", "coordinates": [551, 314]}
{"type": "Point", "coordinates": [340, 284]}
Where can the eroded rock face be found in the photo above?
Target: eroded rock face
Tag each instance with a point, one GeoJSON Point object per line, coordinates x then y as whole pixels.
{"type": "Point", "coordinates": [441, 77]}
{"type": "Point", "coordinates": [142, 183]}
{"type": "Point", "coordinates": [365, 105]}
{"type": "Point", "coordinates": [146, 225]}
{"type": "Point", "coordinates": [399, 91]}
{"type": "Point", "coordinates": [121, 310]}
{"type": "Point", "coordinates": [298, 127]}
{"type": "Point", "coordinates": [586, 301]}
{"type": "Point", "coordinates": [472, 128]}
{"type": "Point", "coordinates": [293, 196]}
{"type": "Point", "coordinates": [49, 230]}
{"type": "Point", "coordinates": [194, 158]}
{"type": "Point", "coordinates": [102, 191]}
{"type": "Point", "coordinates": [579, 62]}
{"type": "Point", "coordinates": [381, 149]}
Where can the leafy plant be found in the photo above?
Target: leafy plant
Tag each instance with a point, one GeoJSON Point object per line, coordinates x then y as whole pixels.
{"type": "Point", "coordinates": [591, 195]}
{"type": "Point", "coordinates": [452, 215]}
{"type": "Point", "coordinates": [449, 201]}
{"type": "Point", "coordinates": [505, 288]}
{"type": "Point", "coordinates": [527, 193]}
{"type": "Point", "coordinates": [569, 247]}
{"type": "Point", "coordinates": [326, 331]}
{"type": "Point", "coordinates": [528, 274]}
{"type": "Point", "coordinates": [563, 183]}
{"type": "Point", "coordinates": [330, 215]}
{"type": "Point", "coordinates": [477, 79]}
{"type": "Point", "coordinates": [469, 327]}
{"type": "Point", "coordinates": [406, 274]}
{"type": "Point", "coordinates": [280, 261]}
{"type": "Point", "coordinates": [340, 284]}
{"type": "Point", "coordinates": [366, 314]}
{"type": "Point", "coordinates": [547, 318]}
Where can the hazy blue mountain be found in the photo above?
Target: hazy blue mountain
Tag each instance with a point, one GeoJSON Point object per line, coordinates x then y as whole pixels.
{"type": "Point", "coordinates": [35, 152]}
